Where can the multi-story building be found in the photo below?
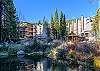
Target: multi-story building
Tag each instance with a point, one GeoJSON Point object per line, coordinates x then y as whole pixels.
{"type": "Point", "coordinates": [34, 30]}
{"type": "Point", "coordinates": [37, 30]}
{"type": "Point", "coordinates": [29, 30]}
{"type": "Point", "coordinates": [81, 27]}
{"type": "Point", "coordinates": [87, 26]}
{"type": "Point", "coordinates": [70, 26]}
{"type": "Point", "coordinates": [25, 30]}
{"type": "Point", "coordinates": [76, 26]}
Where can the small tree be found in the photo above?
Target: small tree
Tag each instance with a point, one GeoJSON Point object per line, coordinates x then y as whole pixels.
{"type": "Point", "coordinates": [52, 27]}
{"type": "Point", "coordinates": [62, 26]}
{"type": "Point", "coordinates": [56, 25]}
{"type": "Point", "coordinates": [96, 24]}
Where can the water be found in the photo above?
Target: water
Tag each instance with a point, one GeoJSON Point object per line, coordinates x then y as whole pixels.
{"type": "Point", "coordinates": [33, 64]}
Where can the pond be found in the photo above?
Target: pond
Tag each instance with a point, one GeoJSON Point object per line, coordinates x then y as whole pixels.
{"type": "Point", "coordinates": [36, 63]}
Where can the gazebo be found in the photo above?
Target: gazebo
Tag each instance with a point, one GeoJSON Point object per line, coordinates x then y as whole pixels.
{"type": "Point", "coordinates": [73, 37]}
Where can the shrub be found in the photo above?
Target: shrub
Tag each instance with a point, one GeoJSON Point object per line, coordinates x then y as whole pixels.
{"type": "Point", "coordinates": [14, 48]}
{"type": "Point", "coordinates": [3, 48]}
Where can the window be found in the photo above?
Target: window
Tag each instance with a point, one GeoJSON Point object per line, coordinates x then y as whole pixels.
{"type": "Point", "coordinates": [86, 34]}
{"type": "Point", "coordinates": [82, 34]}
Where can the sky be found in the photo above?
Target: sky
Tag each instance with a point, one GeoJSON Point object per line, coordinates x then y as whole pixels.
{"type": "Point", "coordinates": [34, 10]}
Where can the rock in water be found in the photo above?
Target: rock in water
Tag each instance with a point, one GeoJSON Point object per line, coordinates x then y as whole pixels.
{"type": "Point", "coordinates": [20, 53]}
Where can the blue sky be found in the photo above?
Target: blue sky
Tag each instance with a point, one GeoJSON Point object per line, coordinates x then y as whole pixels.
{"type": "Point", "coordinates": [34, 10]}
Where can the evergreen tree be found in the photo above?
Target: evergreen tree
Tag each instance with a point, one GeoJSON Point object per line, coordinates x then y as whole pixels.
{"type": "Point", "coordinates": [46, 28]}
{"type": "Point", "coordinates": [9, 21]}
{"type": "Point", "coordinates": [56, 25]}
{"type": "Point", "coordinates": [96, 24]}
{"type": "Point", "coordinates": [45, 23]}
{"type": "Point", "coordinates": [94, 27]}
{"type": "Point", "coordinates": [98, 21]}
{"type": "Point", "coordinates": [52, 27]}
{"type": "Point", "coordinates": [64, 27]}
{"type": "Point", "coordinates": [61, 24]}
{"type": "Point", "coordinates": [39, 22]}
{"type": "Point", "coordinates": [48, 33]}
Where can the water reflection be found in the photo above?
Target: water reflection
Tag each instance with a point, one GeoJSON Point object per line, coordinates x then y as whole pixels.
{"type": "Point", "coordinates": [33, 64]}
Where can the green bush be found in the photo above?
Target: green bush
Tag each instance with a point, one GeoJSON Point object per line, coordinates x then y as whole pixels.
{"type": "Point", "coordinates": [28, 48]}
{"type": "Point", "coordinates": [12, 50]}
{"type": "Point", "coordinates": [37, 45]}
{"type": "Point", "coordinates": [3, 48]}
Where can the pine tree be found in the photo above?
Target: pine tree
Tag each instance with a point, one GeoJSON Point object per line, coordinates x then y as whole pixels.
{"type": "Point", "coordinates": [56, 25]}
{"type": "Point", "coordinates": [48, 33]}
{"type": "Point", "coordinates": [52, 27]}
{"type": "Point", "coordinates": [98, 21]}
{"type": "Point", "coordinates": [9, 21]}
{"type": "Point", "coordinates": [39, 22]}
{"type": "Point", "coordinates": [96, 24]}
{"type": "Point", "coordinates": [64, 27]}
{"type": "Point", "coordinates": [46, 28]}
{"type": "Point", "coordinates": [61, 24]}
{"type": "Point", "coordinates": [44, 23]}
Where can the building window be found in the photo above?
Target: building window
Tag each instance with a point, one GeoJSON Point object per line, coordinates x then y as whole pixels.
{"type": "Point", "coordinates": [82, 34]}
{"type": "Point", "coordinates": [86, 34]}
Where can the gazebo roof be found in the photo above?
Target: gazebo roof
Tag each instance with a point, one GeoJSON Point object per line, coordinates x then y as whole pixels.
{"type": "Point", "coordinates": [72, 33]}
